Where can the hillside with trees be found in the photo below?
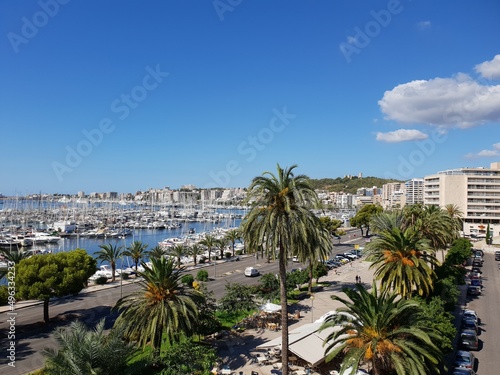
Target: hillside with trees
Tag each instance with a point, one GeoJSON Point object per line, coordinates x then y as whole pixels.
{"type": "Point", "coordinates": [349, 184]}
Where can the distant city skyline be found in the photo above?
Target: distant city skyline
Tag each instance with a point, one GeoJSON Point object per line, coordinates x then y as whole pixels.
{"type": "Point", "coordinates": [128, 96]}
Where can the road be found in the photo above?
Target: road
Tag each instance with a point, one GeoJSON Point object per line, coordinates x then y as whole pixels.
{"type": "Point", "coordinates": [487, 305]}
{"type": "Point", "coordinates": [32, 336]}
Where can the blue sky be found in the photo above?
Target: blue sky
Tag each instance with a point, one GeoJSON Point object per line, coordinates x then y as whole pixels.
{"type": "Point", "coordinates": [130, 95]}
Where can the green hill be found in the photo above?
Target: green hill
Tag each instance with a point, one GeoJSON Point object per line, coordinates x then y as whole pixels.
{"type": "Point", "coordinates": [349, 184]}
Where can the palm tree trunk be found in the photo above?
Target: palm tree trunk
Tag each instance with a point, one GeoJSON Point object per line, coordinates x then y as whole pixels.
{"type": "Point", "coordinates": [46, 311]}
{"type": "Point", "coordinates": [310, 267]}
{"type": "Point", "coordinates": [284, 311]}
{"type": "Point", "coordinates": [113, 269]}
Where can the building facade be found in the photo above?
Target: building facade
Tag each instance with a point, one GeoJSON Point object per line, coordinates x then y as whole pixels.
{"type": "Point", "coordinates": [476, 191]}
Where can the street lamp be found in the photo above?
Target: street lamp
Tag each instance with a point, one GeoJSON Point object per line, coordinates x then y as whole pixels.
{"type": "Point", "coordinates": [121, 279]}
{"type": "Point", "coordinates": [312, 308]}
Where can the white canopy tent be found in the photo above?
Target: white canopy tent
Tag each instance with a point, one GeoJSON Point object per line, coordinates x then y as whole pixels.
{"type": "Point", "coordinates": [270, 308]}
{"type": "Point", "coordinates": [305, 342]}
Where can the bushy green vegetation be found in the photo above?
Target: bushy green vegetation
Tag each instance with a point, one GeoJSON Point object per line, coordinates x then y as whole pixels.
{"type": "Point", "coordinates": [202, 275]}
{"type": "Point", "coordinates": [188, 279]}
{"type": "Point", "coordinates": [348, 185]}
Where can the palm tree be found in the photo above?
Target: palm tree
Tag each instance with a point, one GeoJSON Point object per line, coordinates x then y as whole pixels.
{"type": "Point", "coordinates": [195, 250]}
{"type": "Point", "coordinates": [388, 220]}
{"type": "Point", "coordinates": [163, 306]}
{"type": "Point", "coordinates": [221, 244]}
{"type": "Point", "coordinates": [156, 252]}
{"type": "Point", "coordinates": [383, 331]}
{"type": "Point", "coordinates": [403, 261]}
{"type": "Point", "coordinates": [110, 253]}
{"type": "Point", "coordinates": [88, 351]}
{"type": "Point", "coordinates": [232, 236]}
{"type": "Point", "coordinates": [137, 251]}
{"type": "Point", "coordinates": [178, 251]}
{"type": "Point", "coordinates": [209, 242]}
{"type": "Point", "coordinates": [281, 222]}
{"type": "Point", "coordinates": [438, 227]}
{"type": "Point", "coordinates": [14, 255]}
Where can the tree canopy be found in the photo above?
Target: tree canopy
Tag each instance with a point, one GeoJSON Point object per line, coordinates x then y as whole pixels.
{"type": "Point", "coordinates": [42, 277]}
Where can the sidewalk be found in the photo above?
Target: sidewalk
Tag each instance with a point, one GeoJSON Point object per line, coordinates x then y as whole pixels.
{"type": "Point", "coordinates": [237, 351]}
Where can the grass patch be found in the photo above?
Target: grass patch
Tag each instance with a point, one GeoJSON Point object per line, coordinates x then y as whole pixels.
{"type": "Point", "coordinates": [229, 319]}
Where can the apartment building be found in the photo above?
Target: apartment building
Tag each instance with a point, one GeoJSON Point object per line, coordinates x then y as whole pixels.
{"type": "Point", "coordinates": [476, 191]}
{"type": "Point", "coordinates": [414, 191]}
{"type": "Point", "coordinates": [392, 194]}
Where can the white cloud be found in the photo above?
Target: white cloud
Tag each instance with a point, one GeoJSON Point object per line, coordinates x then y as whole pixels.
{"type": "Point", "coordinates": [424, 25]}
{"type": "Point", "coordinates": [486, 153]}
{"type": "Point", "coordinates": [444, 102]}
{"type": "Point", "coordinates": [401, 135]}
{"type": "Point", "coordinates": [489, 69]}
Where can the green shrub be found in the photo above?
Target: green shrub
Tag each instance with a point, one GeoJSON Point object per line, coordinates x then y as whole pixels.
{"type": "Point", "coordinates": [125, 275]}
{"type": "Point", "coordinates": [238, 252]}
{"type": "Point", "coordinates": [188, 280]}
{"type": "Point", "coordinates": [101, 280]}
{"type": "Point", "coordinates": [202, 260]}
{"type": "Point", "coordinates": [227, 255]}
{"type": "Point", "coordinates": [202, 275]}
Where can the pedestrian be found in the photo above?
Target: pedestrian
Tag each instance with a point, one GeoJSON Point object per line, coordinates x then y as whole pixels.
{"type": "Point", "coordinates": [357, 279]}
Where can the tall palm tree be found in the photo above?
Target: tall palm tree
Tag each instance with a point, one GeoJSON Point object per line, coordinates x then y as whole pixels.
{"type": "Point", "coordinates": [383, 331]}
{"type": "Point", "coordinates": [438, 227]}
{"type": "Point", "coordinates": [388, 220]}
{"type": "Point", "coordinates": [88, 351]}
{"type": "Point", "coordinates": [163, 306]}
{"type": "Point", "coordinates": [456, 215]}
{"type": "Point", "coordinates": [178, 251]}
{"type": "Point", "coordinates": [209, 242]}
{"type": "Point", "coordinates": [137, 251]}
{"type": "Point", "coordinates": [156, 252]}
{"type": "Point", "coordinates": [195, 250]}
{"type": "Point", "coordinates": [232, 236]}
{"type": "Point", "coordinates": [403, 262]}
{"type": "Point", "coordinates": [221, 244]}
{"type": "Point", "coordinates": [282, 223]}
{"type": "Point", "coordinates": [110, 253]}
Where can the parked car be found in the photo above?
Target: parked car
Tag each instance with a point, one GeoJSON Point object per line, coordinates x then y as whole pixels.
{"type": "Point", "coordinates": [497, 255]}
{"type": "Point", "coordinates": [473, 290]}
{"type": "Point", "coordinates": [476, 282]}
{"type": "Point", "coordinates": [350, 256]}
{"type": "Point", "coordinates": [463, 371]}
{"type": "Point", "coordinates": [251, 272]}
{"type": "Point", "coordinates": [469, 340]}
{"type": "Point", "coordinates": [470, 324]}
{"type": "Point", "coordinates": [465, 359]}
{"type": "Point", "coordinates": [331, 264]}
{"type": "Point", "coordinates": [471, 314]}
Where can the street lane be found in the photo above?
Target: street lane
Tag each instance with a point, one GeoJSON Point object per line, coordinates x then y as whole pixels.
{"type": "Point", "coordinates": [33, 336]}
{"type": "Point", "coordinates": [487, 305]}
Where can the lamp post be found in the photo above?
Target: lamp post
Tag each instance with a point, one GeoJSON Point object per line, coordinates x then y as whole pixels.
{"type": "Point", "coordinates": [121, 280]}
{"type": "Point", "coordinates": [312, 308]}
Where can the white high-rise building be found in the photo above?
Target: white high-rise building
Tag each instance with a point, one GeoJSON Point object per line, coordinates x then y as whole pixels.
{"type": "Point", "coordinates": [475, 191]}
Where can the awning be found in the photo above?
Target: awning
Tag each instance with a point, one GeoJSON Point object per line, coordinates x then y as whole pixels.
{"type": "Point", "coordinates": [270, 308]}
{"type": "Point", "coordinates": [305, 342]}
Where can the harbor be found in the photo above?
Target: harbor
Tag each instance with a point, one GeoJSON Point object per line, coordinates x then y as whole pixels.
{"type": "Point", "coordinates": [41, 227]}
